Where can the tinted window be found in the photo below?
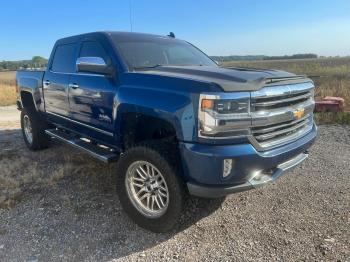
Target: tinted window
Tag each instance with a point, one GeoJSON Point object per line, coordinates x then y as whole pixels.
{"type": "Point", "coordinates": [151, 51]}
{"type": "Point", "coordinates": [94, 49]}
{"type": "Point", "coordinates": [64, 59]}
{"type": "Point", "coordinates": [183, 56]}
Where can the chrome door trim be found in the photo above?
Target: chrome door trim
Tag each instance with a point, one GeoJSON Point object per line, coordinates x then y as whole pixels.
{"type": "Point", "coordinates": [88, 126]}
{"type": "Point", "coordinates": [73, 86]}
{"type": "Point", "coordinates": [81, 73]}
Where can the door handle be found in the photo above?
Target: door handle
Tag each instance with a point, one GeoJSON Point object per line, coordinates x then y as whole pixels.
{"type": "Point", "coordinates": [47, 82]}
{"type": "Point", "coordinates": [73, 86]}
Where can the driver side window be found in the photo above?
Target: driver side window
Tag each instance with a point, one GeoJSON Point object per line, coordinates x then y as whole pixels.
{"type": "Point", "coordinates": [94, 49]}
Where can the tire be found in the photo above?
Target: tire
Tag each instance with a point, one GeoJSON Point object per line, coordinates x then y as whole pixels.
{"type": "Point", "coordinates": [156, 154]}
{"type": "Point", "coordinates": [37, 139]}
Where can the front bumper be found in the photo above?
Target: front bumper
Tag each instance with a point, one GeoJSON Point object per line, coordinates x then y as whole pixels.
{"type": "Point", "coordinates": [203, 165]}
{"type": "Point", "coordinates": [253, 182]}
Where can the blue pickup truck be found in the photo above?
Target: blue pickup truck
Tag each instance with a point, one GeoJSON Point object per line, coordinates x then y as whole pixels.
{"type": "Point", "coordinates": [176, 123]}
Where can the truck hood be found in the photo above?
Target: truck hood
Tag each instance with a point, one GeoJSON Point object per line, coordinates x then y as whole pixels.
{"type": "Point", "coordinates": [229, 79]}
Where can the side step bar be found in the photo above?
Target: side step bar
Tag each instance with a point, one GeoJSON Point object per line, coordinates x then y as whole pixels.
{"type": "Point", "coordinates": [104, 154]}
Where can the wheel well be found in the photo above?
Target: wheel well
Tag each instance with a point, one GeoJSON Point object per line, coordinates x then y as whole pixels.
{"type": "Point", "coordinates": [27, 100]}
{"type": "Point", "coordinates": [138, 128]}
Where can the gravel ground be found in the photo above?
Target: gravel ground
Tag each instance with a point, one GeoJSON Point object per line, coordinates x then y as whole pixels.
{"type": "Point", "coordinates": [61, 205]}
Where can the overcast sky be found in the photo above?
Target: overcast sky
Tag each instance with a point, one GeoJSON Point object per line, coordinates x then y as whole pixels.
{"type": "Point", "coordinates": [222, 27]}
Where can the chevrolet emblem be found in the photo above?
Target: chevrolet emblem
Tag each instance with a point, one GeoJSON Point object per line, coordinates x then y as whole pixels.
{"type": "Point", "coordinates": [299, 113]}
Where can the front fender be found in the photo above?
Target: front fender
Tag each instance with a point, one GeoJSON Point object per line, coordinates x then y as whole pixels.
{"type": "Point", "coordinates": [174, 107]}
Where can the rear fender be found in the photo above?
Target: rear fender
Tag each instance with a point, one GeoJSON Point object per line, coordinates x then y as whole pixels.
{"type": "Point", "coordinates": [31, 86]}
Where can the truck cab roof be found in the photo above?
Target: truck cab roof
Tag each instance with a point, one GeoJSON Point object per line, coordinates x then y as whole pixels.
{"type": "Point", "coordinates": [115, 34]}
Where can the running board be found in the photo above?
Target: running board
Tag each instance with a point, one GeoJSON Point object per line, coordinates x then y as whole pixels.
{"type": "Point", "coordinates": [106, 155]}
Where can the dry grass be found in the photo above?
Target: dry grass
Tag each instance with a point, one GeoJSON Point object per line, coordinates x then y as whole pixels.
{"type": "Point", "coordinates": [318, 67]}
{"type": "Point", "coordinates": [22, 171]}
{"type": "Point", "coordinates": [331, 118]}
{"type": "Point", "coordinates": [7, 88]}
{"type": "Point", "coordinates": [8, 76]}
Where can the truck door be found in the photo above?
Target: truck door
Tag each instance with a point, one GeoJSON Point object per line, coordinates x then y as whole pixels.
{"type": "Point", "coordinates": [57, 77]}
{"type": "Point", "coordinates": [91, 96]}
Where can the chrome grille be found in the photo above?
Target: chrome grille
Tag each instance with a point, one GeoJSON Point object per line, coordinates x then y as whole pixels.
{"type": "Point", "coordinates": [281, 114]}
{"type": "Point", "coordinates": [276, 102]}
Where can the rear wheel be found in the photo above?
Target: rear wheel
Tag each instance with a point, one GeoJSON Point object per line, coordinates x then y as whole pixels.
{"type": "Point", "coordinates": [33, 130]}
{"type": "Point", "coordinates": [149, 187]}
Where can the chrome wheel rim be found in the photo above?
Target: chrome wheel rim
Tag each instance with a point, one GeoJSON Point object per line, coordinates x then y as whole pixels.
{"type": "Point", "coordinates": [27, 126]}
{"type": "Point", "coordinates": [147, 189]}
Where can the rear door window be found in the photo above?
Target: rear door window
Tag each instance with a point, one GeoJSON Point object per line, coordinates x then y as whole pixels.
{"type": "Point", "coordinates": [64, 59]}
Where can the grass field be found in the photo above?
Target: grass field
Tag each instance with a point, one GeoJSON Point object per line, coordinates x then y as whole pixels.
{"type": "Point", "coordinates": [331, 76]}
{"type": "Point", "coordinates": [7, 88]}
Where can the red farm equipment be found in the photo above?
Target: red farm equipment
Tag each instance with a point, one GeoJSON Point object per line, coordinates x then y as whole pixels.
{"type": "Point", "coordinates": [330, 104]}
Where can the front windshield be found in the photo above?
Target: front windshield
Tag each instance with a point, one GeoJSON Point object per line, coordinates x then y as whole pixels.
{"type": "Point", "coordinates": [157, 51]}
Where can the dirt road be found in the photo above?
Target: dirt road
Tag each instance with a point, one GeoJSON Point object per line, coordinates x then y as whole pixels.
{"type": "Point", "coordinates": [61, 205]}
{"type": "Point", "coordinates": [9, 117]}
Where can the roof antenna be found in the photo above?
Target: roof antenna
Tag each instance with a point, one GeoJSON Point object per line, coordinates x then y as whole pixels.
{"type": "Point", "coordinates": [130, 14]}
{"type": "Point", "coordinates": [172, 35]}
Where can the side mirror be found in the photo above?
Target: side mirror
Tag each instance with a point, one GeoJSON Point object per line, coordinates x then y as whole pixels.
{"type": "Point", "coordinates": [95, 65]}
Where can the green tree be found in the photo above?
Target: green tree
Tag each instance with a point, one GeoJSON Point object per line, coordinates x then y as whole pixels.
{"type": "Point", "coordinates": [38, 61]}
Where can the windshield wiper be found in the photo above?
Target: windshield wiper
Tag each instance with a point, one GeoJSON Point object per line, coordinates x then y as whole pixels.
{"type": "Point", "coordinates": [148, 67]}
{"type": "Point", "coordinates": [159, 65]}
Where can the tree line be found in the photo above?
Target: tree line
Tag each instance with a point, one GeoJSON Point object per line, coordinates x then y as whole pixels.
{"type": "Point", "coordinates": [36, 62]}
{"type": "Point", "coordinates": [261, 57]}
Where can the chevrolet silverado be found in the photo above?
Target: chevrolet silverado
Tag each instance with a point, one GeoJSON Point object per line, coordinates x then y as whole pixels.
{"type": "Point", "coordinates": [176, 123]}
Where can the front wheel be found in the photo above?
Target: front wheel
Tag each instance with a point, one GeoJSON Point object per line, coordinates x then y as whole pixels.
{"type": "Point", "coordinates": [149, 187]}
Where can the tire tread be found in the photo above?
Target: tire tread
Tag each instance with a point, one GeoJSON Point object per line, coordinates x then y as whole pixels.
{"type": "Point", "coordinates": [158, 153]}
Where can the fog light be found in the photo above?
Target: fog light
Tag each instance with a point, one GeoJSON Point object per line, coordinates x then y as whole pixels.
{"type": "Point", "coordinates": [257, 175]}
{"type": "Point", "coordinates": [261, 177]}
{"type": "Point", "coordinates": [227, 167]}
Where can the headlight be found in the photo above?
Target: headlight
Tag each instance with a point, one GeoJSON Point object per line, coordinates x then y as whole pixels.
{"type": "Point", "coordinates": [226, 106]}
{"type": "Point", "coordinates": [224, 116]}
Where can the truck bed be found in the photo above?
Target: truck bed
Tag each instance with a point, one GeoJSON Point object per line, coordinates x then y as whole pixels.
{"type": "Point", "coordinates": [30, 81]}
{"type": "Point", "coordinates": [30, 74]}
